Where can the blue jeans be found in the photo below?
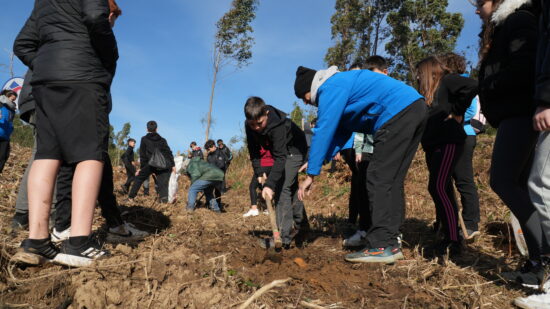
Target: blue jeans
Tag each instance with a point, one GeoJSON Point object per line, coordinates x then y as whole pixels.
{"type": "Point", "coordinates": [208, 188]}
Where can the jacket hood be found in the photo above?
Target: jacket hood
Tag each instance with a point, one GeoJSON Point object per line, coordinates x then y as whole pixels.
{"type": "Point", "coordinates": [506, 8]}
{"type": "Point", "coordinates": [320, 78]}
{"type": "Point", "coordinates": [4, 100]}
{"type": "Point", "coordinates": [153, 137]}
{"type": "Point", "coordinates": [274, 118]}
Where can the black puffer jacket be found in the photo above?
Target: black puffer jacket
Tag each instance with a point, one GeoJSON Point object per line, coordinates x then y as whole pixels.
{"type": "Point", "coordinates": [149, 143]}
{"type": "Point", "coordinates": [542, 93]}
{"type": "Point", "coordinates": [69, 41]}
{"type": "Point", "coordinates": [281, 137]}
{"type": "Point", "coordinates": [506, 77]}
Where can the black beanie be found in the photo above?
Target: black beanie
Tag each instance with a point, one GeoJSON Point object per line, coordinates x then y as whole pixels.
{"type": "Point", "coordinates": [304, 78]}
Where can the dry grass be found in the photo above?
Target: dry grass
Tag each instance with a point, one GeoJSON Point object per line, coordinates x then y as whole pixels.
{"type": "Point", "coordinates": [204, 260]}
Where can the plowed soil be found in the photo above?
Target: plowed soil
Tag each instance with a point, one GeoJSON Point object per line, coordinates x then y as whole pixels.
{"type": "Point", "coordinates": [208, 260]}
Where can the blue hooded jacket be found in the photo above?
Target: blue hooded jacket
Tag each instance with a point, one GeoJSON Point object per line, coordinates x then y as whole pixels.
{"type": "Point", "coordinates": [7, 113]}
{"type": "Point", "coordinates": [354, 101]}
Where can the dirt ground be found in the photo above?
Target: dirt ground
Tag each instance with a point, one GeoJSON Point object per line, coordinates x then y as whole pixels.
{"type": "Point", "coordinates": [208, 260]}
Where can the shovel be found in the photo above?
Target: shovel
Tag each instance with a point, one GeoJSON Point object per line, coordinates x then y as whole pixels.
{"type": "Point", "coordinates": [273, 220]}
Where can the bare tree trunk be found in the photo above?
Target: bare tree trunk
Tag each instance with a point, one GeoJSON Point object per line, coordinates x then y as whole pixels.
{"type": "Point", "coordinates": [214, 80]}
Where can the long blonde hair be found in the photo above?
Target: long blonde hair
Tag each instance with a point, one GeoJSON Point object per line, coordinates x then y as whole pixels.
{"type": "Point", "coordinates": [429, 72]}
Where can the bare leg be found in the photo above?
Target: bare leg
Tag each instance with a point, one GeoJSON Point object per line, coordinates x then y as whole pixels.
{"type": "Point", "coordinates": [86, 182]}
{"type": "Point", "coordinates": [40, 187]}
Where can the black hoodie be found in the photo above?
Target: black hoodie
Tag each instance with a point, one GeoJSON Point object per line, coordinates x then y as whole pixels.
{"type": "Point", "coordinates": [149, 143]}
{"type": "Point", "coordinates": [542, 94]}
{"type": "Point", "coordinates": [281, 137]}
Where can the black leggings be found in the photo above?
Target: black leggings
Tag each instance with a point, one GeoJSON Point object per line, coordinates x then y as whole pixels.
{"type": "Point", "coordinates": [510, 166]}
{"type": "Point", "coordinates": [463, 176]}
{"type": "Point", "coordinates": [441, 161]}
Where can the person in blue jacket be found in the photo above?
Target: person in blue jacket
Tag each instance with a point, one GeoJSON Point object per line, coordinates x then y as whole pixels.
{"type": "Point", "coordinates": [372, 103]}
{"type": "Point", "coordinates": [7, 113]}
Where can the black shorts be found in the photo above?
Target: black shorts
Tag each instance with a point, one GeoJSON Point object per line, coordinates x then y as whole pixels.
{"type": "Point", "coordinates": [72, 121]}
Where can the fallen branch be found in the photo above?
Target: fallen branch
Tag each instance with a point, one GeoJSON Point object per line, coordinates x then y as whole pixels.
{"type": "Point", "coordinates": [263, 290]}
{"type": "Point", "coordinates": [310, 305]}
{"type": "Point", "coordinates": [468, 285]}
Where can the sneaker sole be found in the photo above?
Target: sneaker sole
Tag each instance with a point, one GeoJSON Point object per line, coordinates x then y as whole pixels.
{"type": "Point", "coordinates": [73, 260]}
{"type": "Point", "coordinates": [27, 258]}
{"type": "Point", "coordinates": [387, 259]}
{"type": "Point", "coordinates": [527, 305]}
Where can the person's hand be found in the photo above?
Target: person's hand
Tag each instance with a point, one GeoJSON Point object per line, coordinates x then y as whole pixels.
{"type": "Point", "coordinates": [457, 118]}
{"type": "Point", "coordinates": [137, 173]}
{"type": "Point", "coordinates": [338, 157]}
{"type": "Point", "coordinates": [541, 120]}
{"type": "Point", "coordinates": [305, 187]}
{"type": "Point", "coordinates": [268, 194]}
{"type": "Point", "coordinates": [261, 180]}
{"type": "Point", "coordinates": [303, 168]}
{"type": "Point", "coordinates": [358, 157]}
{"type": "Point", "coordinates": [174, 169]}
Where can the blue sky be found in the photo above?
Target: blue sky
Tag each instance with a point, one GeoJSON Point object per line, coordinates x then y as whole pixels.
{"type": "Point", "coordinates": [164, 71]}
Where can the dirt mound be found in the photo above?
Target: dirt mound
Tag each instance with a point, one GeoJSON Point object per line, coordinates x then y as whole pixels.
{"type": "Point", "coordinates": [208, 260]}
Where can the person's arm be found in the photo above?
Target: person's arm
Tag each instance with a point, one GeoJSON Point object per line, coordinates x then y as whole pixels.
{"type": "Point", "coordinates": [95, 14]}
{"type": "Point", "coordinates": [332, 102]}
{"type": "Point", "coordinates": [143, 157]}
{"type": "Point", "coordinates": [279, 151]}
{"type": "Point", "coordinates": [461, 90]}
{"type": "Point", "coordinates": [26, 44]}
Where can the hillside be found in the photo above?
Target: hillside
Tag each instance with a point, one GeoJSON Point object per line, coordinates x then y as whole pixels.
{"type": "Point", "coordinates": [207, 260]}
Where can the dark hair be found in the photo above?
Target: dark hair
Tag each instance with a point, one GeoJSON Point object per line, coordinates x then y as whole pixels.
{"type": "Point", "coordinates": [152, 126]}
{"type": "Point", "coordinates": [357, 65]}
{"type": "Point", "coordinates": [209, 144]}
{"type": "Point", "coordinates": [455, 63]}
{"type": "Point", "coordinates": [193, 144]}
{"type": "Point", "coordinates": [313, 122]}
{"type": "Point", "coordinates": [220, 140]}
{"type": "Point", "coordinates": [131, 140]}
{"type": "Point", "coordinates": [114, 8]}
{"type": "Point", "coordinates": [8, 93]}
{"type": "Point", "coordinates": [254, 108]}
{"type": "Point", "coordinates": [487, 32]}
{"type": "Point", "coordinates": [376, 62]}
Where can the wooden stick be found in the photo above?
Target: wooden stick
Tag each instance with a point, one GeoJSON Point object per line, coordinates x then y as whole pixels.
{"type": "Point", "coordinates": [273, 219]}
{"type": "Point", "coordinates": [310, 305]}
{"type": "Point", "coordinates": [262, 291]}
{"type": "Point", "coordinates": [463, 226]}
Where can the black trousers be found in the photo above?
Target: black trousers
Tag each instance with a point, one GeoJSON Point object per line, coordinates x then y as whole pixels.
{"type": "Point", "coordinates": [395, 145]}
{"type": "Point", "coordinates": [161, 182]}
{"type": "Point", "coordinates": [4, 153]}
{"type": "Point", "coordinates": [463, 176]}
{"type": "Point", "coordinates": [358, 199]}
{"type": "Point", "coordinates": [513, 155]}
{"type": "Point", "coordinates": [131, 176]}
{"type": "Point", "coordinates": [106, 198]}
{"type": "Point", "coordinates": [441, 161]}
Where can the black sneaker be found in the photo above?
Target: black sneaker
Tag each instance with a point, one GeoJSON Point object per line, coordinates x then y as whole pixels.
{"type": "Point", "coordinates": [80, 256]}
{"type": "Point", "coordinates": [31, 254]}
{"type": "Point", "coordinates": [529, 274]}
{"type": "Point", "coordinates": [20, 221]}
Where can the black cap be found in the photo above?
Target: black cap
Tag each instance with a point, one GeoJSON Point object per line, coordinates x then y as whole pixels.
{"type": "Point", "coordinates": [304, 78]}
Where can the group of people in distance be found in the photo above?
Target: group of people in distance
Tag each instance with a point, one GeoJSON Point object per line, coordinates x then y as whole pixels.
{"type": "Point", "coordinates": [374, 121]}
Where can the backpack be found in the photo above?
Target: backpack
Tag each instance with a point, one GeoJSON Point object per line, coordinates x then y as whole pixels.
{"type": "Point", "coordinates": [158, 160]}
{"type": "Point", "coordinates": [478, 122]}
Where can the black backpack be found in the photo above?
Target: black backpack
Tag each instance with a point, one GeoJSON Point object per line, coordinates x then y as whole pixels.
{"type": "Point", "coordinates": [158, 160]}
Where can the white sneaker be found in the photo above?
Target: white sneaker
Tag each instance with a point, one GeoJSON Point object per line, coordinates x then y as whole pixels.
{"type": "Point", "coordinates": [357, 240]}
{"type": "Point", "coordinates": [126, 232]}
{"type": "Point", "coordinates": [252, 213]}
{"type": "Point", "coordinates": [536, 301]}
{"type": "Point", "coordinates": [60, 236]}
{"type": "Point", "coordinates": [266, 212]}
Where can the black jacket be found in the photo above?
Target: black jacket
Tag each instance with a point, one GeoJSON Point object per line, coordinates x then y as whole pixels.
{"type": "Point", "coordinates": [128, 157]}
{"type": "Point", "coordinates": [227, 152]}
{"type": "Point", "coordinates": [282, 137]}
{"type": "Point", "coordinates": [69, 41]}
{"type": "Point", "coordinates": [26, 105]}
{"type": "Point", "coordinates": [542, 91]}
{"type": "Point", "coordinates": [197, 153]}
{"type": "Point", "coordinates": [453, 96]}
{"type": "Point", "coordinates": [218, 158]}
{"type": "Point", "coordinates": [149, 143]}
{"type": "Point", "coordinates": [506, 75]}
